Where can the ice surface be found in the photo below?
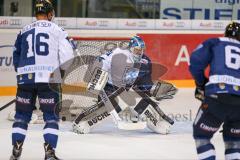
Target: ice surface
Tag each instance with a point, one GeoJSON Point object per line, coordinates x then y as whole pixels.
{"type": "Point", "coordinates": [108, 142]}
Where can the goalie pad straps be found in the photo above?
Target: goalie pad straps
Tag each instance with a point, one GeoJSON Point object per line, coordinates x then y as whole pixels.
{"type": "Point", "coordinates": [154, 121]}
{"type": "Point", "coordinates": [146, 100]}
{"type": "Point", "coordinates": [143, 108]}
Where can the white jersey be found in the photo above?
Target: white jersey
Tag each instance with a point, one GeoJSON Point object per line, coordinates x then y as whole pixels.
{"type": "Point", "coordinates": [119, 63]}
{"type": "Point", "coordinates": [40, 49]}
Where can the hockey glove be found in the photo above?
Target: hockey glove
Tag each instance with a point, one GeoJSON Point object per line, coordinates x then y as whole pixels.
{"type": "Point", "coordinates": [163, 90]}
{"type": "Point", "coordinates": [199, 93]}
{"type": "Point", "coordinates": [200, 90]}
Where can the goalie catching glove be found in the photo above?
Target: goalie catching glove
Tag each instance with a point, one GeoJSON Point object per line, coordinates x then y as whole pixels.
{"type": "Point", "coordinates": [163, 90]}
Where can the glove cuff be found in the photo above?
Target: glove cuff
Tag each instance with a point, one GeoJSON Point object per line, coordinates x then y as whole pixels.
{"type": "Point", "coordinates": [201, 85]}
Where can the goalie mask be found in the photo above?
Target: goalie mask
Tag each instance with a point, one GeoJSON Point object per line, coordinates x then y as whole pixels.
{"type": "Point", "coordinates": [137, 47]}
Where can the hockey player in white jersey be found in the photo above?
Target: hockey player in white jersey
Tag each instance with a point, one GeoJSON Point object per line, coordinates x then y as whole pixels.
{"type": "Point", "coordinates": [127, 68]}
{"type": "Point", "coordinates": [40, 48]}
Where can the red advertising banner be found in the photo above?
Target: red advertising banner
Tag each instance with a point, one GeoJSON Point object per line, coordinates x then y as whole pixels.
{"type": "Point", "coordinates": [173, 51]}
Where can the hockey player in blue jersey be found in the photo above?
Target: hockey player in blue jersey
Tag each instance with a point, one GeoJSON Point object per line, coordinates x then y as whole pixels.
{"type": "Point", "coordinates": [40, 48]}
{"type": "Point", "coordinates": [219, 93]}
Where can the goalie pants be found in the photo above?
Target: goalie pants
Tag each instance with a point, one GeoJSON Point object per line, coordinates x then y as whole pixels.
{"type": "Point", "coordinates": [222, 109]}
{"type": "Point", "coordinates": [49, 97]}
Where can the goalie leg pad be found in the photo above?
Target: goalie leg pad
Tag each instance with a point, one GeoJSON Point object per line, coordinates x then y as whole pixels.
{"type": "Point", "coordinates": [154, 121]}
{"type": "Point", "coordinates": [81, 128]}
{"type": "Point", "coordinates": [89, 119]}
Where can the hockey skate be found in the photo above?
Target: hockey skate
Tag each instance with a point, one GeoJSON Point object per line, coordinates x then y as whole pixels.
{"type": "Point", "coordinates": [49, 152]}
{"type": "Point", "coordinates": [17, 151]}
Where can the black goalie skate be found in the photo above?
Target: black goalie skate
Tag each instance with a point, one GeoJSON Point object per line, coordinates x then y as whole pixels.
{"type": "Point", "coordinates": [49, 152]}
{"type": "Point", "coordinates": [17, 151]}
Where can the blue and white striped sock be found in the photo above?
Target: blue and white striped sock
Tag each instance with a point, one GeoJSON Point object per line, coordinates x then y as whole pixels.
{"type": "Point", "coordinates": [206, 152]}
{"type": "Point", "coordinates": [50, 133]}
{"type": "Point", "coordinates": [19, 131]}
{"type": "Point", "coordinates": [231, 154]}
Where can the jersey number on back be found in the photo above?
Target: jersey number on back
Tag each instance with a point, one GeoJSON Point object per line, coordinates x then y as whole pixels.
{"type": "Point", "coordinates": [232, 57]}
{"type": "Point", "coordinates": [40, 42]}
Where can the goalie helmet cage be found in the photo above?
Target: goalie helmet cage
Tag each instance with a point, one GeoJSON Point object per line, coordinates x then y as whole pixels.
{"type": "Point", "coordinates": [89, 48]}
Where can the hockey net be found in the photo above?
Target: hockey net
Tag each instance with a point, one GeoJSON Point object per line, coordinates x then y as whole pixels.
{"type": "Point", "coordinates": [89, 49]}
{"type": "Point", "coordinates": [77, 101]}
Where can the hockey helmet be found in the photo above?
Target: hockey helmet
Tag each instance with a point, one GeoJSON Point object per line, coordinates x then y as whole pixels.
{"type": "Point", "coordinates": [137, 47]}
{"type": "Point", "coordinates": [43, 7]}
{"type": "Point", "coordinates": [233, 30]}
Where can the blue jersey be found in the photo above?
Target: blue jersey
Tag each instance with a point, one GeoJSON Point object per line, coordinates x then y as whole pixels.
{"type": "Point", "coordinates": [223, 57]}
{"type": "Point", "coordinates": [144, 80]}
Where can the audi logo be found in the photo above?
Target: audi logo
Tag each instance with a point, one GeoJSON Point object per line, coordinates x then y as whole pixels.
{"type": "Point", "coordinates": [103, 23]}
{"type": "Point", "coordinates": [180, 24]}
{"type": "Point", "coordinates": [61, 22]}
{"type": "Point", "coordinates": [219, 25]}
{"type": "Point", "coordinates": [15, 22]}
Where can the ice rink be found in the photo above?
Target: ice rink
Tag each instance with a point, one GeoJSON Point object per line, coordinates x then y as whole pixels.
{"type": "Point", "coordinates": [107, 142]}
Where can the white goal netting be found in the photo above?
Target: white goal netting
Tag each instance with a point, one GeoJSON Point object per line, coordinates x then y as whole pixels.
{"type": "Point", "coordinates": [89, 48]}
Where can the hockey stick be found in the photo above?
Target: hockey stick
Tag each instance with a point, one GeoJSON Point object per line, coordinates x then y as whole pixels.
{"type": "Point", "coordinates": [147, 99]}
{"type": "Point", "coordinates": [8, 104]}
{"type": "Point", "coordinates": [114, 109]}
{"type": "Point", "coordinates": [98, 105]}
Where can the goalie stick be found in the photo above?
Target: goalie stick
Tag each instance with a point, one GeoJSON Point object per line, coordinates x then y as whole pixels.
{"type": "Point", "coordinates": [99, 105]}
{"type": "Point", "coordinates": [8, 104]}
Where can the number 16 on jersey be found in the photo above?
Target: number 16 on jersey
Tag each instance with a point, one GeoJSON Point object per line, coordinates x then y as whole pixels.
{"type": "Point", "coordinates": [35, 44]}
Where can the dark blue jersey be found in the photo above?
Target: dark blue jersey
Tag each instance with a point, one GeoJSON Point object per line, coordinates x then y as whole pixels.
{"type": "Point", "coordinates": [223, 57]}
{"type": "Point", "coordinates": [144, 80]}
